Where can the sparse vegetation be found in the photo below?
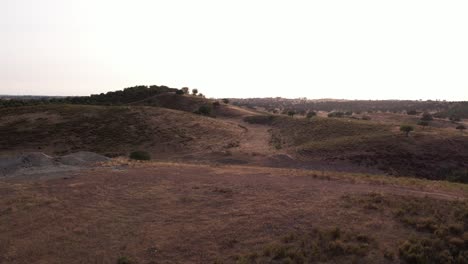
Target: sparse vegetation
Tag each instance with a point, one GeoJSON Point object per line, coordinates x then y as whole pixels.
{"type": "Point", "coordinates": [316, 246]}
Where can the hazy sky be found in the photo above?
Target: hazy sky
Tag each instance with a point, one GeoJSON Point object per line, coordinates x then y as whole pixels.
{"type": "Point", "coordinates": [374, 49]}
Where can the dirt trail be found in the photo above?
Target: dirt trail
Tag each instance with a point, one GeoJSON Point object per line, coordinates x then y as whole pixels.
{"type": "Point", "coordinates": [255, 139]}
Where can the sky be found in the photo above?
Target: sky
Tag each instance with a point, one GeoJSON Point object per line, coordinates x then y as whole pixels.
{"type": "Point", "coordinates": [399, 49]}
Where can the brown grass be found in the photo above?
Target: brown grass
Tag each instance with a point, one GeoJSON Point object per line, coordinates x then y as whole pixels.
{"type": "Point", "coordinates": [178, 213]}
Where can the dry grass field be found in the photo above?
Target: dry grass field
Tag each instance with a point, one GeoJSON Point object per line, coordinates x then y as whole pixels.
{"type": "Point", "coordinates": [182, 213]}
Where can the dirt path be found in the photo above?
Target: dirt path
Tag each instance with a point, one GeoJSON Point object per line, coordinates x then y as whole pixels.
{"type": "Point", "coordinates": [255, 139]}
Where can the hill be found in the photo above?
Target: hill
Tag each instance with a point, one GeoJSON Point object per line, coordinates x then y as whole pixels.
{"type": "Point", "coordinates": [434, 154]}
{"type": "Point", "coordinates": [111, 130]}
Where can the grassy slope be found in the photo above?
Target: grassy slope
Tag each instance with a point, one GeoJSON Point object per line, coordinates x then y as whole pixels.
{"type": "Point", "coordinates": [433, 153]}
{"type": "Point", "coordinates": [59, 129]}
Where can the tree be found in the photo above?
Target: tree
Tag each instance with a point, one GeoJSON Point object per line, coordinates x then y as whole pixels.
{"type": "Point", "coordinates": [311, 114]}
{"type": "Point", "coordinates": [426, 117]}
{"type": "Point", "coordinates": [412, 112]}
{"type": "Point", "coordinates": [185, 89]}
{"type": "Point", "coordinates": [179, 92]}
{"type": "Point", "coordinates": [194, 91]}
{"type": "Point", "coordinates": [407, 129]}
{"type": "Point", "coordinates": [291, 113]}
{"type": "Point", "coordinates": [461, 128]}
{"type": "Point", "coordinates": [226, 101]}
{"type": "Point", "coordinates": [216, 104]}
{"type": "Point", "coordinates": [204, 110]}
{"type": "Point", "coordinates": [423, 124]}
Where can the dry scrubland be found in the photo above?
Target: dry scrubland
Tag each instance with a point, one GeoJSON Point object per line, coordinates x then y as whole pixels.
{"type": "Point", "coordinates": [177, 213]}
{"type": "Point", "coordinates": [235, 185]}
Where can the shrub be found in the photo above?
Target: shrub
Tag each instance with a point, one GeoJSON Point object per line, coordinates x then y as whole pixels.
{"type": "Point", "coordinates": [407, 129]}
{"type": "Point", "coordinates": [226, 101]}
{"type": "Point", "coordinates": [180, 92]}
{"type": "Point", "coordinates": [124, 260]}
{"type": "Point", "coordinates": [203, 110]}
{"type": "Point", "coordinates": [140, 155]}
{"type": "Point", "coordinates": [291, 113]}
{"type": "Point", "coordinates": [216, 104]}
{"type": "Point", "coordinates": [311, 114]}
{"type": "Point", "coordinates": [366, 117]}
{"type": "Point", "coordinates": [426, 117]}
{"type": "Point", "coordinates": [336, 114]}
{"type": "Point", "coordinates": [423, 124]}
{"type": "Point", "coordinates": [461, 128]}
{"type": "Point", "coordinates": [412, 112]}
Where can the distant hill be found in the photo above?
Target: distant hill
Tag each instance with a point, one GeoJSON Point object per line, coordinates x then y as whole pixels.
{"type": "Point", "coordinates": [302, 105]}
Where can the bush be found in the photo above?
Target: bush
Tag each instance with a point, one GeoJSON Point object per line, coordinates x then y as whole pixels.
{"type": "Point", "coordinates": [311, 114]}
{"type": "Point", "coordinates": [140, 155]}
{"type": "Point", "coordinates": [216, 104]}
{"type": "Point", "coordinates": [180, 92]}
{"type": "Point", "coordinates": [407, 129]}
{"type": "Point", "coordinates": [124, 260]}
{"type": "Point", "coordinates": [203, 110]}
{"type": "Point", "coordinates": [423, 124]}
{"type": "Point", "coordinates": [412, 112]}
{"type": "Point", "coordinates": [336, 114]}
{"type": "Point", "coordinates": [426, 117]}
{"type": "Point", "coordinates": [291, 113]}
{"type": "Point", "coordinates": [226, 101]}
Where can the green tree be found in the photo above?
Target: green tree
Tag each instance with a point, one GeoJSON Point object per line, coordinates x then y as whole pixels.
{"type": "Point", "coordinates": [426, 117]}
{"type": "Point", "coordinates": [185, 90]}
{"type": "Point", "coordinates": [406, 129]}
{"type": "Point", "coordinates": [194, 91]}
{"type": "Point", "coordinates": [204, 110]}
{"type": "Point", "coordinates": [423, 124]}
{"type": "Point", "coordinates": [226, 101]}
